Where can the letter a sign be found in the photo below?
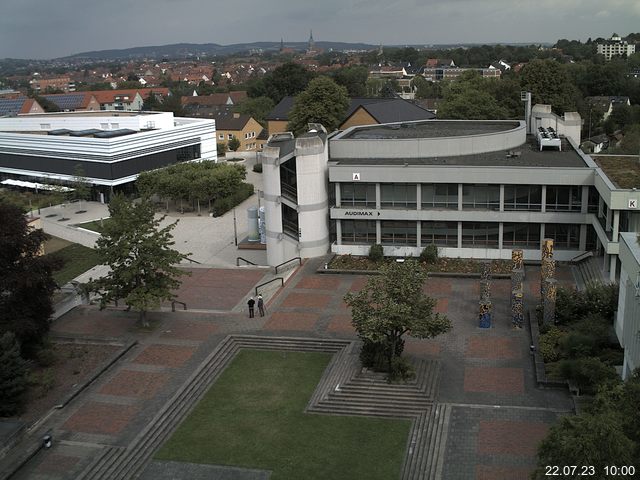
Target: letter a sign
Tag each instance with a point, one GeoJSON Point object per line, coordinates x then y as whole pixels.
{"type": "Point", "coordinates": [356, 177]}
{"type": "Point", "coordinates": [633, 203]}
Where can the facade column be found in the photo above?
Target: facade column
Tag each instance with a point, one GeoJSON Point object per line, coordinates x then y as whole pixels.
{"type": "Point", "coordinates": [583, 238]}
{"type": "Point", "coordinates": [419, 196]}
{"type": "Point", "coordinates": [338, 196]}
{"type": "Point", "coordinates": [501, 209]}
{"type": "Point", "coordinates": [584, 208]}
{"type": "Point", "coordinates": [500, 235]}
{"type": "Point", "coordinates": [339, 232]}
{"type": "Point", "coordinates": [544, 201]}
{"type": "Point", "coordinates": [378, 197]}
{"type": "Point", "coordinates": [459, 234]}
{"type": "Point", "coordinates": [612, 267]}
{"type": "Point", "coordinates": [460, 196]}
{"type": "Point", "coordinates": [542, 234]}
{"type": "Point", "coordinates": [378, 232]}
{"type": "Point", "coordinates": [419, 233]}
{"type": "Point", "coordinates": [616, 225]}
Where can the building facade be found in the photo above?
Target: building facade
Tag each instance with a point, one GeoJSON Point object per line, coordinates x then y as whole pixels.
{"type": "Point", "coordinates": [111, 148]}
{"type": "Point", "coordinates": [476, 189]}
{"type": "Point", "coordinates": [615, 46]}
{"type": "Point", "coordinates": [627, 322]}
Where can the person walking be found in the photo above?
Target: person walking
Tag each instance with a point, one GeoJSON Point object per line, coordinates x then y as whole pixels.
{"type": "Point", "coordinates": [251, 303]}
{"type": "Point", "coordinates": [261, 305]}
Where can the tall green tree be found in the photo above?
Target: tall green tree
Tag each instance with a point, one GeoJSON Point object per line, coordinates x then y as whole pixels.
{"type": "Point", "coordinates": [354, 79]}
{"type": "Point", "coordinates": [26, 280]}
{"type": "Point", "coordinates": [550, 84]}
{"type": "Point", "coordinates": [233, 144]}
{"type": "Point", "coordinates": [286, 80]}
{"type": "Point", "coordinates": [469, 99]}
{"type": "Point", "coordinates": [323, 102]}
{"type": "Point", "coordinates": [143, 266]}
{"type": "Point", "coordinates": [13, 376]}
{"type": "Point", "coordinates": [393, 304]}
{"type": "Point", "coordinates": [258, 108]}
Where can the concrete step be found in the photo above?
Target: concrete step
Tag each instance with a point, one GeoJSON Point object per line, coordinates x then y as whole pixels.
{"type": "Point", "coordinates": [362, 411]}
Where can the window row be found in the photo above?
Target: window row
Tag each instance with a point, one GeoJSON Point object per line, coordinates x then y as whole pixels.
{"type": "Point", "coordinates": [445, 234]}
{"type": "Point", "coordinates": [474, 197]}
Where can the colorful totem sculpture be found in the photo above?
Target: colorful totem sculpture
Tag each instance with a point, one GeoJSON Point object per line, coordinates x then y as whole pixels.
{"type": "Point", "coordinates": [548, 282]}
{"type": "Point", "coordinates": [484, 306]}
{"type": "Point", "coordinates": [517, 290]}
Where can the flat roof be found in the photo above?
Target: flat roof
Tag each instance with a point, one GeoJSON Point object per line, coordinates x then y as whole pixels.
{"type": "Point", "coordinates": [430, 129]}
{"type": "Point", "coordinates": [90, 113]}
{"type": "Point", "coordinates": [623, 171]}
{"type": "Point", "coordinates": [526, 155]}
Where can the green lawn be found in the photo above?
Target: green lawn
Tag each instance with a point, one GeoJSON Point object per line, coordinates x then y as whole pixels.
{"type": "Point", "coordinates": [253, 417]}
{"type": "Point", "coordinates": [78, 259]}
{"type": "Point", "coordinates": [95, 225]}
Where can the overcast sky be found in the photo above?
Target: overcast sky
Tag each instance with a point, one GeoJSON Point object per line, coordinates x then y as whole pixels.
{"type": "Point", "coordinates": [54, 28]}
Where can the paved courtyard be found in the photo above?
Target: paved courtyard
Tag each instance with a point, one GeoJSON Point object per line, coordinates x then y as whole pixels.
{"type": "Point", "coordinates": [497, 414]}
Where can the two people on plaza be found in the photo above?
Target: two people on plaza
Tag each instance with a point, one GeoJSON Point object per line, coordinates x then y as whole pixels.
{"type": "Point", "coordinates": [251, 303]}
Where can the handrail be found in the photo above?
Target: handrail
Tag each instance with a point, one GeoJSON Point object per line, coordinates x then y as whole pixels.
{"type": "Point", "coordinates": [173, 305]}
{"type": "Point", "coordinates": [193, 261]}
{"type": "Point", "coordinates": [244, 259]}
{"type": "Point", "coordinates": [290, 260]}
{"type": "Point", "coordinates": [581, 257]}
{"type": "Point", "coordinates": [272, 280]}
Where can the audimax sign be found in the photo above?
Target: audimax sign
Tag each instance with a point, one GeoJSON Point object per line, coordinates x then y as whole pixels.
{"type": "Point", "coordinates": [360, 213]}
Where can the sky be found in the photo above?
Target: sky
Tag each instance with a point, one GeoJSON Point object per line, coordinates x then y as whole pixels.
{"type": "Point", "coordinates": [53, 28]}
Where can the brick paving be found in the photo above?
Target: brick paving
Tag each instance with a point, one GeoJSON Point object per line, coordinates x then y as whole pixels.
{"type": "Point", "coordinates": [56, 464]}
{"type": "Point", "coordinates": [166, 355]}
{"type": "Point", "coordinates": [131, 383]}
{"type": "Point", "coordinates": [101, 418]}
{"type": "Point", "coordinates": [492, 379]}
{"type": "Point", "coordinates": [498, 414]}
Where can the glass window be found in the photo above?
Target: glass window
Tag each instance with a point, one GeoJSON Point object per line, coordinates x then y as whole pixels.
{"type": "Point", "coordinates": [565, 236]}
{"type": "Point", "coordinates": [289, 179]}
{"type": "Point", "coordinates": [398, 195]}
{"type": "Point", "coordinates": [564, 198]}
{"type": "Point", "coordinates": [480, 234]}
{"type": "Point", "coordinates": [442, 234]}
{"type": "Point", "coordinates": [290, 221]}
{"type": "Point", "coordinates": [358, 195]}
{"type": "Point", "coordinates": [358, 232]}
{"type": "Point", "coordinates": [481, 197]}
{"type": "Point", "coordinates": [521, 235]}
{"type": "Point", "coordinates": [399, 232]}
{"type": "Point", "coordinates": [594, 198]}
{"type": "Point", "coordinates": [523, 197]}
{"type": "Point", "coordinates": [440, 195]}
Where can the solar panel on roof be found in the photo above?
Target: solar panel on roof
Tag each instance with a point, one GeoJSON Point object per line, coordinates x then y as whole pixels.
{"type": "Point", "coordinates": [11, 106]}
{"type": "Point", "coordinates": [59, 131]}
{"type": "Point", "coordinates": [115, 133]}
{"type": "Point", "coordinates": [70, 101]}
{"type": "Point", "coordinates": [85, 133]}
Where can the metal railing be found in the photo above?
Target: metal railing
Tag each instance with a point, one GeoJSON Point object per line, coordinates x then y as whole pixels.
{"type": "Point", "coordinates": [192, 260]}
{"type": "Point", "coordinates": [582, 256]}
{"type": "Point", "coordinates": [244, 260]}
{"type": "Point", "coordinates": [173, 305]}
{"type": "Point", "coordinates": [288, 261]}
{"type": "Point", "coordinates": [267, 283]}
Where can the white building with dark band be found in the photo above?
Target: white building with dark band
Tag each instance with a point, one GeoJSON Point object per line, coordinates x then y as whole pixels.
{"type": "Point", "coordinates": [476, 189]}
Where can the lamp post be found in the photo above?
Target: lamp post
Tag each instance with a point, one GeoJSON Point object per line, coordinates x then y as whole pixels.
{"type": "Point", "coordinates": [235, 228]}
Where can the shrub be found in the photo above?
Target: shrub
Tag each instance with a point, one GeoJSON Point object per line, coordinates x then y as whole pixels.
{"type": "Point", "coordinates": [587, 373]}
{"type": "Point", "coordinates": [376, 253]}
{"type": "Point", "coordinates": [222, 205]}
{"type": "Point", "coordinates": [401, 370]}
{"type": "Point", "coordinates": [429, 254]}
{"type": "Point", "coordinates": [257, 168]}
{"type": "Point", "coordinates": [222, 148]}
{"type": "Point", "coordinates": [601, 299]}
{"type": "Point", "coordinates": [611, 356]}
{"type": "Point", "coordinates": [548, 344]}
{"type": "Point", "coordinates": [46, 357]}
{"type": "Point", "coordinates": [13, 376]}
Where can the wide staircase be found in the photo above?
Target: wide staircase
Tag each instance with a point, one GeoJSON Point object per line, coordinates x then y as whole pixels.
{"type": "Point", "coordinates": [344, 389]}
{"type": "Point", "coordinates": [588, 271]}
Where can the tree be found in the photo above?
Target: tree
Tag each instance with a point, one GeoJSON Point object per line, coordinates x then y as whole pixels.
{"type": "Point", "coordinates": [26, 280]}
{"type": "Point", "coordinates": [234, 144]}
{"type": "Point", "coordinates": [142, 264]}
{"type": "Point", "coordinates": [549, 84]}
{"type": "Point", "coordinates": [586, 439]}
{"type": "Point", "coordinates": [393, 304]}
{"type": "Point", "coordinates": [81, 188]}
{"type": "Point", "coordinates": [221, 148]}
{"type": "Point", "coordinates": [323, 102]}
{"type": "Point", "coordinates": [354, 79]}
{"type": "Point", "coordinates": [13, 376]}
{"type": "Point", "coordinates": [286, 80]}
{"type": "Point", "coordinates": [469, 99]}
{"type": "Point", "coordinates": [258, 108]}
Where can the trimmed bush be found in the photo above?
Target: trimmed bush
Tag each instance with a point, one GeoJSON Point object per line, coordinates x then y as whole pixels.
{"type": "Point", "coordinates": [548, 344]}
{"type": "Point", "coordinates": [587, 373]}
{"type": "Point", "coordinates": [429, 254]}
{"type": "Point", "coordinates": [601, 299]}
{"type": "Point", "coordinates": [376, 253]}
{"type": "Point", "coordinates": [223, 205]}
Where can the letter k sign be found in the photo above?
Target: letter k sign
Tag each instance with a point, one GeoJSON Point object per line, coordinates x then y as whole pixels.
{"type": "Point", "coordinates": [633, 203]}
